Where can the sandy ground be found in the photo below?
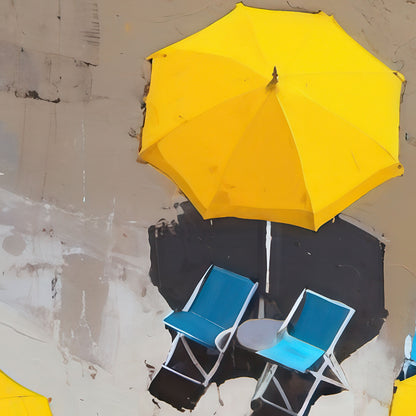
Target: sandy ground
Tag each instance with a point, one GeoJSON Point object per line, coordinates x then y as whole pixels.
{"type": "Point", "coordinates": [79, 316]}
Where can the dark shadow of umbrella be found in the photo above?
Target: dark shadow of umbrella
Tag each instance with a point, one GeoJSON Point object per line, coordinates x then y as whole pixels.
{"type": "Point", "coordinates": [181, 252]}
{"type": "Point", "coordinates": [340, 261]}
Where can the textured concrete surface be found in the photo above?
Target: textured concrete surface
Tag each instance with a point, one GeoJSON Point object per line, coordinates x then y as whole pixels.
{"type": "Point", "coordinates": [80, 319]}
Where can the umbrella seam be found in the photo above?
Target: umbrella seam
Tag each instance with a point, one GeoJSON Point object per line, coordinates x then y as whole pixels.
{"type": "Point", "coordinates": [234, 11]}
{"type": "Point", "coordinates": [208, 109]}
{"type": "Point", "coordinates": [233, 151]}
{"type": "Point", "coordinates": [339, 28]}
{"type": "Point", "coordinates": [353, 191]}
{"type": "Point", "coordinates": [237, 144]}
{"type": "Point", "coordinates": [300, 159]}
{"type": "Point", "coordinates": [381, 72]}
{"type": "Point", "coordinates": [357, 44]}
{"type": "Point", "coordinates": [24, 405]}
{"type": "Point", "coordinates": [225, 57]}
{"type": "Point", "coordinates": [198, 115]}
{"type": "Point", "coordinates": [344, 119]}
{"type": "Point", "coordinates": [17, 397]}
{"type": "Point", "coordinates": [253, 31]}
{"type": "Point", "coordinates": [154, 54]}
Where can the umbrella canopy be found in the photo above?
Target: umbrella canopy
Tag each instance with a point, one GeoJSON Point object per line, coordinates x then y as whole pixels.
{"type": "Point", "coordinates": [272, 115]}
{"type": "Point", "coordinates": [16, 400]}
{"type": "Point", "coordinates": [404, 403]}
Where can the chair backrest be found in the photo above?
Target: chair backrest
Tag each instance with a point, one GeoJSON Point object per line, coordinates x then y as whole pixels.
{"type": "Point", "coordinates": [222, 297]}
{"type": "Point", "coordinates": [320, 320]}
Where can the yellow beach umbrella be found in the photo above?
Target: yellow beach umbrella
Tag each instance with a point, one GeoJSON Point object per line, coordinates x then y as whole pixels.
{"type": "Point", "coordinates": [272, 115]}
{"type": "Point", "coordinates": [16, 400]}
{"type": "Point", "coordinates": [404, 403]}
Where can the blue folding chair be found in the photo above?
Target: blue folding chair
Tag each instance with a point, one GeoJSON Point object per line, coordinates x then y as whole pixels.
{"type": "Point", "coordinates": [210, 317]}
{"type": "Point", "coordinates": [409, 364]}
{"type": "Point", "coordinates": [305, 343]}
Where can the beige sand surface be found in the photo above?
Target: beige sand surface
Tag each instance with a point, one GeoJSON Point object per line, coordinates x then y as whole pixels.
{"type": "Point", "coordinates": [78, 314]}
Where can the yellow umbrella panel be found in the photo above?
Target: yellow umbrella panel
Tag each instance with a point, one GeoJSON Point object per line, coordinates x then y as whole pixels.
{"type": "Point", "coordinates": [296, 144]}
{"type": "Point", "coordinates": [16, 400]}
{"type": "Point", "coordinates": [404, 403]}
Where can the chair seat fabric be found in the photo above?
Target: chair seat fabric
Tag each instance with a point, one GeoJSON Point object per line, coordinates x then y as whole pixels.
{"type": "Point", "coordinates": [194, 327]}
{"type": "Point", "coordinates": [293, 353]}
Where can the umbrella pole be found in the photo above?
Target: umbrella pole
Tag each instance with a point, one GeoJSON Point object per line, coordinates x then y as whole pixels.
{"type": "Point", "coordinates": [268, 243]}
{"type": "Point", "coordinates": [268, 246]}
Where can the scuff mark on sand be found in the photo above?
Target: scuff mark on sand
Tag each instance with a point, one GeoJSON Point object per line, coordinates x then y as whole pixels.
{"type": "Point", "coordinates": [43, 76]}
{"type": "Point", "coordinates": [21, 332]}
{"type": "Point", "coordinates": [35, 95]}
{"type": "Point", "coordinates": [403, 266]}
{"type": "Point", "coordinates": [174, 16]}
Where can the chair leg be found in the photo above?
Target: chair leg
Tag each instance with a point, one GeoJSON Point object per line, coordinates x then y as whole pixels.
{"type": "Point", "coordinates": [193, 358]}
{"type": "Point", "coordinates": [269, 374]}
{"type": "Point", "coordinates": [170, 355]}
{"type": "Point", "coordinates": [172, 349]}
{"type": "Point", "coordinates": [309, 397]}
{"type": "Point", "coordinates": [264, 381]}
{"type": "Point", "coordinates": [282, 393]}
{"type": "Point", "coordinates": [336, 368]}
{"type": "Point", "coordinates": [214, 369]}
{"type": "Point", "coordinates": [339, 372]}
{"type": "Point", "coordinates": [206, 376]}
{"type": "Point", "coordinates": [261, 387]}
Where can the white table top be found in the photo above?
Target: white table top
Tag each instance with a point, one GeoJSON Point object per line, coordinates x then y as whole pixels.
{"type": "Point", "coordinates": [258, 334]}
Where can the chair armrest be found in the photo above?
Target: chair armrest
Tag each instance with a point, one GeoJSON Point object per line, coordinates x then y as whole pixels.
{"type": "Point", "coordinates": [280, 333]}
{"type": "Point", "coordinates": [223, 338]}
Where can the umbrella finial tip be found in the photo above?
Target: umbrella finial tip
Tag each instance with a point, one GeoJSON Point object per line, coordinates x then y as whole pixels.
{"type": "Point", "coordinates": [274, 80]}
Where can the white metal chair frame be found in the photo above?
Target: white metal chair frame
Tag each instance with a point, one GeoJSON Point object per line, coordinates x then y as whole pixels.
{"type": "Point", "coordinates": [222, 340]}
{"type": "Point", "coordinates": [408, 355]}
{"type": "Point", "coordinates": [329, 361]}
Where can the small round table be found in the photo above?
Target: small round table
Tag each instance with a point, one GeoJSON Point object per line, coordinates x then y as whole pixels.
{"type": "Point", "coordinates": [258, 334]}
